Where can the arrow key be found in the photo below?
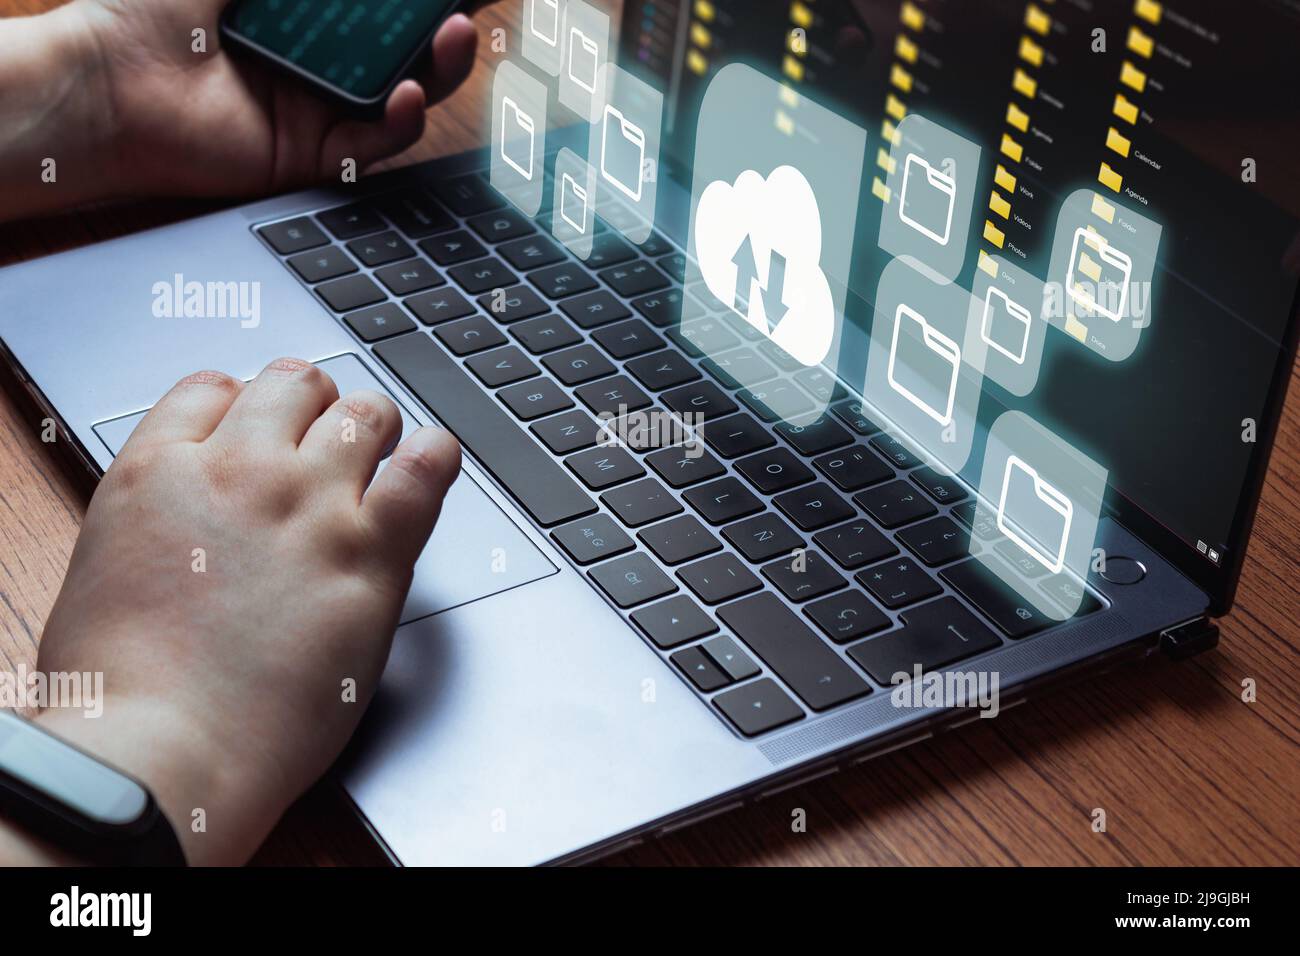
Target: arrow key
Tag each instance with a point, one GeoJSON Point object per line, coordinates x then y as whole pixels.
{"type": "Point", "coordinates": [704, 674]}
{"type": "Point", "coordinates": [674, 621]}
{"type": "Point", "coordinates": [734, 662]}
{"type": "Point", "coordinates": [758, 707]}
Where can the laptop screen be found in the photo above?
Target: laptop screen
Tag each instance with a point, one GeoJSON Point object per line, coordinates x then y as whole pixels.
{"type": "Point", "coordinates": [1185, 110]}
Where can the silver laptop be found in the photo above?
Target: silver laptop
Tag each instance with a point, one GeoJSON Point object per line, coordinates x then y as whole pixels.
{"type": "Point", "coordinates": [608, 641]}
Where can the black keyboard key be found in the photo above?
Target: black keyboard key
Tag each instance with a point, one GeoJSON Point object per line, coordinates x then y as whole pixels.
{"type": "Point", "coordinates": [817, 436]}
{"type": "Point", "coordinates": [578, 365]}
{"type": "Point", "coordinates": [847, 616]}
{"type": "Point", "coordinates": [293, 235]}
{"type": "Point", "coordinates": [719, 578]}
{"type": "Point", "coordinates": [819, 383]}
{"type": "Point", "coordinates": [662, 370]}
{"type": "Point", "coordinates": [933, 635]}
{"type": "Point", "coordinates": [569, 432]}
{"type": "Point", "coordinates": [328, 263]}
{"type": "Point", "coordinates": [535, 398]}
{"type": "Point", "coordinates": [602, 467]}
{"type": "Point", "coordinates": [411, 276]}
{"type": "Point", "coordinates": [467, 336]}
{"type": "Point", "coordinates": [942, 488]}
{"type": "Point", "coordinates": [814, 506]}
{"type": "Point", "coordinates": [774, 470]}
{"type": "Point", "coordinates": [981, 522]}
{"type": "Point", "coordinates": [851, 413]}
{"type": "Point", "coordinates": [594, 309]}
{"type": "Point", "coordinates": [681, 539]}
{"type": "Point", "coordinates": [612, 396]}
{"type": "Point", "coordinates": [656, 245]}
{"type": "Point", "coordinates": [592, 539]}
{"type": "Point", "coordinates": [468, 195]}
{"type": "Point", "coordinates": [545, 334]}
{"type": "Point", "coordinates": [442, 305]}
{"type": "Point", "coordinates": [453, 248]}
{"type": "Point", "coordinates": [727, 654]}
{"type": "Point", "coordinates": [804, 576]}
{"type": "Point", "coordinates": [777, 400]}
{"type": "Point", "coordinates": [513, 304]}
{"type": "Point", "coordinates": [855, 544]}
{"type": "Point", "coordinates": [736, 435]}
{"type": "Point", "coordinates": [790, 648]}
{"type": "Point", "coordinates": [895, 452]}
{"type": "Point", "coordinates": [898, 582]}
{"type": "Point", "coordinates": [741, 367]}
{"type": "Point", "coordinates": [674, 264]}
{"type": "Point", "coordinates": [531, 252]}
{"type": "Point", "coordinates": [379, 322]}
{"type": "Point", "coordinates": [350, 292]}
{"type": "Point", "coordinates": [609, 249]}
{"type": "Point", "coordinates": [757, 707]}
{"type": "Point", "coordinates": [641, 502]}
{"type": "Point", "coordinates": [511, 455]}
{"type": "Point", "coordinates": [631, 580]}
{"type": "Point", "coordinates": [416, 213]}
{"type": "Point", "coordinates": [381, 249]}
{"type": "Point", "coordinates": [501, 225]}
{"type": "Point", "coordinates": [686, 464]}
{"type": "Point", "coordinates": [483, 276]}
{"type": "Point", "coordinates": [704, 337]}
{"type": "Point", "coordinates": [779, 356]}
{"type": "Point", "coordinates": [703, 672]}
{"type": "Point", "coordinates": [628, 339]}
{"type": "Point", "coordinates": [674, 621]}
{"type": "Point", "coordinates": [1013, 615]}
{"type": "Point", "coordinates": [894, 504]}
{"type": "Point", "coordinates": [565, 279]}
{"type": "Point", "coordinates": [634, 279]}
{"type": "Point", "coordinates": [701, 400]}
{"type": "Point", "coordinates": [722, 501]}
{"type": "Point", "coordinates": [347, 222]}
{"type": "Point", "coordinates": [503, 366]}
{"type": "Point", "coordinates": [937, 541]}
{"type": "Point", "coordinates": [668, 308]}
{"type": "Point", "coordinates": [1014, 555]}
{"type": "Point", "coordinates": [762, 537]}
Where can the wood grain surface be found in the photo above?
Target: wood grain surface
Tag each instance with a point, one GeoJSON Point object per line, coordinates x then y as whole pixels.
{"type": "Point", "coordinates": [1186, 771]}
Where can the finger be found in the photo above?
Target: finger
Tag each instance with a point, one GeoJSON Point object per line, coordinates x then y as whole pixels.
{"type": "Point", "coordinates": [278, 406]}
{"type": "Point", "coordinates": [188, 412]}
{"type": "Point", "coordinates": [368, 141]}
{"type": "Point", "coordinates": [453, 58]}
{"type": "Point", "coordinates": [405, 500]}
{"type": "Point", "coordinates": [348, 441]}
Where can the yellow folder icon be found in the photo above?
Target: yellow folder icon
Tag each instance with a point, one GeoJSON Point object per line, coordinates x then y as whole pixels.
{"type": "Point", "coordinates": [1076, 328]}
{"type": "Point", "coordinates": [1037, 20]}
{"type": "Point", "coordinates": [1004, 179]}
{"type": "Point", "coordinates": [700, 36]}
{"type": "Point", "coordinates": [784, 122]}
{"type": "Point", "coordinates": [1024, 84]}
{"type": "Point", "coordinates": [988, 264]}
{"type": "Point", "coordinates": [1031, 52]}
{"type": "Point", "coordinates": [879, 189]}
{"type": "Point", "coordinates": [895, 107]}
{"type": "Point", "coordinates": [1102, 209]}
{"type": "Point", "coordinates": [885, 161]}
{"type": "Point", "coordinates": [993, 234]}
{"type": "Point", "coordinates": [1125, 109]}
{"type": "Point", "coordinates": [1139, 42]}
{"type": "Point", "coordinates": [911, 16]}
{"type": "Point", "coordinates": [1132, 77]}
{"type": "Point", "coordinates": [1017, 117]}
{"type": "Point", "coordinates": [1148, 10]}
{"type": "Point", "coordinates": [1109, 178]}
{"type": "Point", "coordinates": [1089, 267]}
{"type": "Point", "coordinates": [900, 78]}
{"type": "Point", "coordinates": [1117, 142]}
{"type": "Point", "coordinates": [905, 49]}
{"type": "Point", "coordinates": [1011, 148]}
{"type": "Point", "coordinates": [800, 15]}
{"type": "Point", "coordinates": [999, 205]}
{"type": "Point", "coordinates": [889, 132]}
{"type": "Point", "coordinates": [792, 68]}
{"type": "Point", "coordinates": [697, 62]}
{"type": "Point", "coordinates": [704, 10]}
{"type": "Point", "coordinates": [789, 97]}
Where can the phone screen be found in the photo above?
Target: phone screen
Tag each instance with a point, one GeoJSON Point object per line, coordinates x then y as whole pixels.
{"type": "Point", "coordinates": [356, 47]}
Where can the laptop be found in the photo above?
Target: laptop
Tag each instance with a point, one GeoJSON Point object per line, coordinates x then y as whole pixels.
{"type": "Point", "coordinates": [606, 641]}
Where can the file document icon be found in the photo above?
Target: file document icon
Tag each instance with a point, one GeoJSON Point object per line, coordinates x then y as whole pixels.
{"type": "Point", "coordinates": [1107, 271]}
{"type": "Point", "coordinates": [573, 204]}
{"type": "Point", "coordinates": [584, 60]}
{"type": "Point", "coordinates": [923, 365]}
{"type": "Point", "coordinates": [1034, 514]}
{"type": "Point", "coordinates": [622, 153]}
{"type": "Point", "coordinates": [1005, 326]}
{"type": "Point", "coordinates": [517, 133]}
{"type": "Point", "coordinates": [927, 199]}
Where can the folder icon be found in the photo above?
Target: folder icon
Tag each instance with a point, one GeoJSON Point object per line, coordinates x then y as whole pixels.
{"type": "Point", "coordinates": [1024, 84]}
{"type": "Point", "coordinates": [1011, 149]}
{"type": "Point", "coordinates": [573, 204]}
{"type": "Point", "coordinates": [923, 365]}
{"type": "Point", "coordinates": [1076, 328]}
{"type": "Point", "coordinates": [1037, 20]}
{"type": "Point", "coordinates": [1132, 77]}
{"type": "Point", "coordinates": [1005, 326]}
{"type": "Point", "coordinates": [1109, 178]}
{"type": "Point", "coordinates": [911, 16]}
{"type": "Point", "coordinates": [800, 15]}
{"type": "Point", "coordinates": [900, 78]}
{"type": "Point", "coordinates": [1031, 52]}
{"type": "Point", "coordinates": [1102, 209]}
{"type": "Point", "coordinates": [895, 107]}
{"type": "Point", "coordinates": [1107, 269]}
{"type": "Point", "coordinates": [1139, 42]}
{"type": "Point", "coordinates": [1004, 179]}
{"type": "Point", "coordinates": [622, 153]}
{"type": "Point", "coordinates": [792, 68]}
{"type": "Point", "coordinates": [704, 10]}
{"type": "Point", "coordinates": [885, 161]}
{"type": "Point", "coordinates": [999, 205]}
{"type": "Point", "coordinates": [889, 132]}
{"type": "Point", "coordinates": [784, 122]}
{"type": "Point", "coordinates": [697, 62]}
{"type": "Point", "coordinates": [584, 59]}
{"type": "Point", "coordinates": [988, 264]}
{"type": "Point", "coordinates": [1089, 267]}
{"type": "Point", "coordinates": [993, 234]}
{"type": "Point", "coordinates": [1125, 109]}
{"type": "Point", "coordinates": [544, 21]}
{"type": "Point", "coordinates": [879, 189]}
{"type": "Point", "coordinates": [926, 199]}
{"type": "Point", "coordinates": [789, 96]}
{"type": "Point", "coordinates": [1034, 514]}
{"type": "Point", "coordinates": [1148, 10]}
{"type": "Point", "coordinates": [1118, 142]}
{"type": "Point", "coordinates": [1017, 117]}
{"type": "Point", "coordinates": [517, 138]}
{"type": "Point", "coordinates": [905, 49]}
{"type": "Point", "coordinates": [700, 35]}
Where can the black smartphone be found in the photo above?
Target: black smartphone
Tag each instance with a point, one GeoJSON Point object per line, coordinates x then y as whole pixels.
{"type": "Point", "coordinates": [354, 53]}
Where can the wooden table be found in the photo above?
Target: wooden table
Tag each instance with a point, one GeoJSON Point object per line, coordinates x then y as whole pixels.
{"type": "Point", "coordinates": [1186, 771]}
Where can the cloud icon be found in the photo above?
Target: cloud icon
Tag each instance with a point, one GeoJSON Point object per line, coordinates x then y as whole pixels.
{"type": "Point", "coordinates": [759, 245]}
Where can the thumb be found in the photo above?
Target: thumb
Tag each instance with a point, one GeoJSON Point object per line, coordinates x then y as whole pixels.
{"type": "Point", "coordinates": [405, 500]}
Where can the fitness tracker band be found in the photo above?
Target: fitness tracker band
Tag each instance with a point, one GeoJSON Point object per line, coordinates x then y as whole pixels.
{"type": "Point", "coordinates": [65, 796]}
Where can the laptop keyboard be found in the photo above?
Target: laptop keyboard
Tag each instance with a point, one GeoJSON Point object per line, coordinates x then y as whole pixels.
{"type": "Point", "coordinates": [782, 570]}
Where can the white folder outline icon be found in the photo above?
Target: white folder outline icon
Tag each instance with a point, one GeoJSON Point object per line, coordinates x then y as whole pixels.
{"type": "Point", "coordinates": [551, 37]}
{"type": "Point", "coordinates": [1110, 256]}
{"type": "Point", "coordinates": [1046, 493]}
{"type": "Point", "coordinates": [936, 342]}
{"type": "Point", "coordinates": [1017, 312]}
{"type": "Point", "coordinates": [509, 108]}
{"type": "Point", "coordinates": [940, 181]}
{"type": "Point", "coordinates": [633, 134]}
{"type": "Point", "coordinates": [569, 185]}
{"type": "Point", "coordinates": [579, 39]}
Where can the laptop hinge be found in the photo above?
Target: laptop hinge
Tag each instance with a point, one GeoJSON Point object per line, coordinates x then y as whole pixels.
{"type": "Point", "coordinates": [1189, 638]}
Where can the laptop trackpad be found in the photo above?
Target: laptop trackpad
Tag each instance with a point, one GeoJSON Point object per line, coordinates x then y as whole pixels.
{"type": "Point", "coordinates": [475, 551]}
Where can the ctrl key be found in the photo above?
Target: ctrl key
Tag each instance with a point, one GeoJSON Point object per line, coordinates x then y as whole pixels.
{"type": "Point", "coordinates": [758, 707]}
{"type": "Point", "coordinates": [632, 580]}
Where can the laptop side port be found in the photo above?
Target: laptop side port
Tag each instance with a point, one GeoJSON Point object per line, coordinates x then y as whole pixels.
{"type": "Point", "coordinates": [1189, 639]}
